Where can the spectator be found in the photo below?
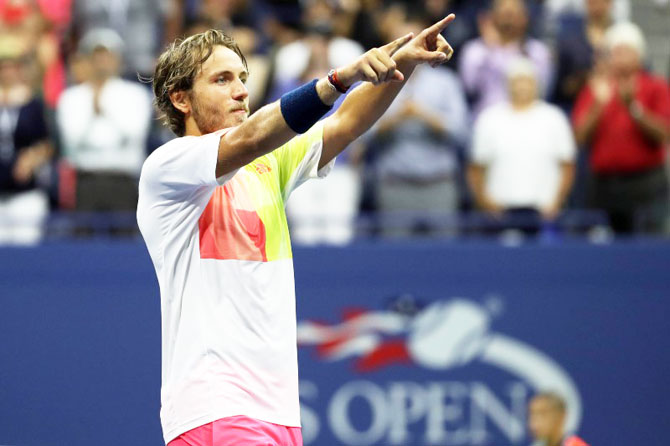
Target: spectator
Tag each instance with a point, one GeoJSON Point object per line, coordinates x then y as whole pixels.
{"type": "Point", "coordinates": [555, 10]}
{"type": "Point", "coordinates": [40, 23]}
{"type": "Point", "coordinates": [139, 22]}
{"type": "Point", "coordinates": [415, 167]}
{"type": "Point", "coordinates": [577, 42]}
{"type": "Point", "coordinates": [623, 116]}
{"type": "Point", "coordinates": [503, 38]}
{"type": "Point", "coordinates": [103, 124]}
{"type": "Point", "coordinates": [522, 164]}
{"type": "Point", "coordinates": [546, 421]}
{"type": "Point", "coordinates": [24, 149]}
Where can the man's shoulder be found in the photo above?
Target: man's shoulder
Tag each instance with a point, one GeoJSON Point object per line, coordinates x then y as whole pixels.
{"type": "Point", "coordinates": [178, 147]}
{"type": "Point", "coordinates": [550, 110]}
{"type": "Point", "coordinates": [476, 45]}
{"type": "Point", "coordinates": [128, 86]}
{"type": "Point", "coordinates": [654, 83]}
{"type": "Point", "coordinates": [495, 112]}
{"type": "Point", "coordinates": [74, 93]}
{"type": "Point", "coordinates": [163, 153]}
{"type": "Point", "coordinates": [538, 47]}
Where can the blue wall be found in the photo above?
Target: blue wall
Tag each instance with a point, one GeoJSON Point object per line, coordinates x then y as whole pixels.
{"type": "Point", "coordinates": [80, 349]}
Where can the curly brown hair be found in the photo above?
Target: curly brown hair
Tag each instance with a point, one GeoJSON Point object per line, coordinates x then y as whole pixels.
{"type": "Point", "coordinates": [177, 68]}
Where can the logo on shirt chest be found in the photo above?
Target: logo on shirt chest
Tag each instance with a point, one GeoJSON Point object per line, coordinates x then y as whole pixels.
{"type": "Point", "coordinates": [262, 168]}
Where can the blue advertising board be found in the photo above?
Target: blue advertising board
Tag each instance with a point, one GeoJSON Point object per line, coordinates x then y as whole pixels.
{"type": "Point", "coordinates": [417, 344]}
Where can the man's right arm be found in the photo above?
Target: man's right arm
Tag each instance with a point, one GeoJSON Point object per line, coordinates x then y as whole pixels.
{"type": "Point", "coordinates": [268, 129]}
{"type": "Point", "coordinates": [264, 131]}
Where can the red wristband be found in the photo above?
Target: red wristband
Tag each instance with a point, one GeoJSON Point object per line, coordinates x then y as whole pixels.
{"type": "Point", "coordinates": [335, 82]}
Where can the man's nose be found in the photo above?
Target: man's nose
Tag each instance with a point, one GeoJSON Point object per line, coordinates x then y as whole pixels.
{"type": "Point", "coordinates": [240, 91]}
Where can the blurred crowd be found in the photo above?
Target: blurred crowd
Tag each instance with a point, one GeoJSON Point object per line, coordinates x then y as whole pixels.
{"type": "Point", "coordinates": [547, 120]}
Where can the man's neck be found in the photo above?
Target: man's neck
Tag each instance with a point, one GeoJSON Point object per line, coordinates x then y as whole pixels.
{"type": "Point", "coordinates": [599, 22]}
{"type": "Point", "coordinates": [190, 127]}
{"type": "Point", "coordinates": [522, 106]}
{"type": "Point", "coordinates": [556, 441]}
{"type": "Point", "coordinates": [98, 83]}
{"type": "Point", "coordinates": [510, 39]}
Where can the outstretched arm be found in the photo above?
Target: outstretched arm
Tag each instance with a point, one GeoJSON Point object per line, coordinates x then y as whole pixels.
{"type": "Point", "coordinates": [367, 103]}
{"type": "Point", "coordinates": [268, 128]}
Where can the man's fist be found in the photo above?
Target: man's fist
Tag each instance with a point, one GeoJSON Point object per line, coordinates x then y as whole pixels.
{"type": "Point", "coordinates": [376, 65]}
{"type": "Point", "coordinates": [429, 46]}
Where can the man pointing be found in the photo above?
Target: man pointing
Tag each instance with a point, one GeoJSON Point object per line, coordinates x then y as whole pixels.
{"type": "Point", "coordinates": [211, 211]}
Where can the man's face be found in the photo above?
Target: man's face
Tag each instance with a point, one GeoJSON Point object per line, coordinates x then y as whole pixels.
{"type": "Point", "coordinates": [104, 63]}
{"type": "Point", "coordinates": [598, 9]}
{"type": "Point", "coordinates": [219, 97]}
{"type": "Point", "coordinates": [545, 421]}
{"type": "Point", "coordinates": [511, 18]}
{"type": "Point", "coordinates": [10, 72]}
{"type": "Point", "coordinates": [624, 60]}
{"type": "Point", "coordinates": [523, 89]}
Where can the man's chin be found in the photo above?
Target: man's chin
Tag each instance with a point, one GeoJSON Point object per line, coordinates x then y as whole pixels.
{"type": "Point", "coordinates": [240, 118]}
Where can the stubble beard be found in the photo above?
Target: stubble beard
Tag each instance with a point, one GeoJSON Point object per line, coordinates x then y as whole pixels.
{"type": "Point", "coordinates": [209, 118]}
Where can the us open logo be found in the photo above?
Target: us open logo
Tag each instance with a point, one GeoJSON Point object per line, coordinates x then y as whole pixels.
{"type": "Point", "coordinates": [436, 341]}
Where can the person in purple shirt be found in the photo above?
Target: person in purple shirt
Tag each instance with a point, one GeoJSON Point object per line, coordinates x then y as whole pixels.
{"type": "Point", "coordinates": [503, 38]}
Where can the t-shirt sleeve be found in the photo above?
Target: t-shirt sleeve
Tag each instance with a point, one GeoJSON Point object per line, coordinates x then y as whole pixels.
{"type": "Point", "coordinates": [184, 165]}
{"type": "Point", "coordinates": [566, 148]}
{"type": "Point", "coordinates": [481, 151]}
{"type": "Point", "coordinates": [298, 160]}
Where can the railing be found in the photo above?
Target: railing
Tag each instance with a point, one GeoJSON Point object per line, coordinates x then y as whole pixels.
{"type": "Point", "coordinates": [572, 223]}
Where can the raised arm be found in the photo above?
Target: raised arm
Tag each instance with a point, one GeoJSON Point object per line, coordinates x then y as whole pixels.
{"type": "Point", "coordinates": [276, 123]}
{"type": "Point", "coordinates": [366, 104]}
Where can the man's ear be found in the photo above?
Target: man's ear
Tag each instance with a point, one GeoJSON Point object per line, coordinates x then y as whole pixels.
{"type": "Point", "coordinates": [181, 101]}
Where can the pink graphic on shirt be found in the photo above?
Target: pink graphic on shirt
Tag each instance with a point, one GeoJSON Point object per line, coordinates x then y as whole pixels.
{"type": "Point", "coordinates": [230, 227]}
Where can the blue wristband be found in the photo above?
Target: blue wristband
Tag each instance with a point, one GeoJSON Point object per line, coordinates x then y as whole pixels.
{"type": "Point", "coordinates": [302, 107]}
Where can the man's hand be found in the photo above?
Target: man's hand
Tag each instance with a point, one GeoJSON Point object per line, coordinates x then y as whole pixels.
{"type": "Point", "coordinates": [627, 91]}
{"type": "Point", "coordinates": [375, 66]}
{"type": "Point", "coordinates": [428, 46]}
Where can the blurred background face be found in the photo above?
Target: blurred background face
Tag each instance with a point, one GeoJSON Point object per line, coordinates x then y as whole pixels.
{"type": "Point", "coordinates": [510, 17]}
{"type": "Point", "coordinates": [522, 89]}
{"type": "Point", "coordinates": [545, 420]}
{"type": "Point", "coordinates": [104, 64]}
{"type": "Point", "coordinates": [10, 72]}
{"type": "Point", "coordinates": [598, 9]}
{"type": "Point", "coordinates": [436, 7]}
{"type": "Point", "coordinates": [624, 60]}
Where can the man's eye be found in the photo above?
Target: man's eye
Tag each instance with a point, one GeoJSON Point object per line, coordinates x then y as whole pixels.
{"type": "Point", "coordinates": [221, 80]}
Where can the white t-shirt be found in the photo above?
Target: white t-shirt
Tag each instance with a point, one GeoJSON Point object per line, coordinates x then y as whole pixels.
{"type": "Point", "coordinates": [523, 152]}
{"type": "Point", "coordinates": [222, 255]}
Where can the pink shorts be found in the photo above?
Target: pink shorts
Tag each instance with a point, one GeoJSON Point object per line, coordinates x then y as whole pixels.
{"type": "Point", "coordinates": [240, 431]}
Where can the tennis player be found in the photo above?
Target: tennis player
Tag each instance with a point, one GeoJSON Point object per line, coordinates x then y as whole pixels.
{"type": "Point", "coordinates": [211, 211]}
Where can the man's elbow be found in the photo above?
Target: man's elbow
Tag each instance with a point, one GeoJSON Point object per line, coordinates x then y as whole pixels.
{"type": "Point", "coordinates": [342, 129]}
{"type": "Point", "coordinates": [241, 143]}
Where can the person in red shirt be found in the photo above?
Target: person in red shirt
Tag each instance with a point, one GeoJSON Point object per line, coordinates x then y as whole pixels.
{"type": "Point", "coordinates": [623, 116]}
{"type": "Point", "coordinates": [546, 421]}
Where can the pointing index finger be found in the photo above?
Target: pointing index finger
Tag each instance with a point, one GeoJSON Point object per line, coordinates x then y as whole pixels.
{"type": "Point", "coordinates": [394, 46]}
{"type": "Point", "coordinates": [439, 26]}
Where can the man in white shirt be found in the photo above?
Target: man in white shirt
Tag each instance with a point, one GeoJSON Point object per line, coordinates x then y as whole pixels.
{"type": "Point", "coordinates": [103, 125]}
{"type": "Point", "coordinates": [523, 153]}
{"type": "Point", "coordinates": [211, 211]}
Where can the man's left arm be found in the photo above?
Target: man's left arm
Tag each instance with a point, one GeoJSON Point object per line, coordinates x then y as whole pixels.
{"type": "Point", "coordinates": [653, 122]}
{"type": "Point", "coordinates": [367, 103]}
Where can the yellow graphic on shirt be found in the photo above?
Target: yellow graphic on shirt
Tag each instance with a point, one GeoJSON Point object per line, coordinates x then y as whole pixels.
{"type": "Point", "coordinates": [245, 218]}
